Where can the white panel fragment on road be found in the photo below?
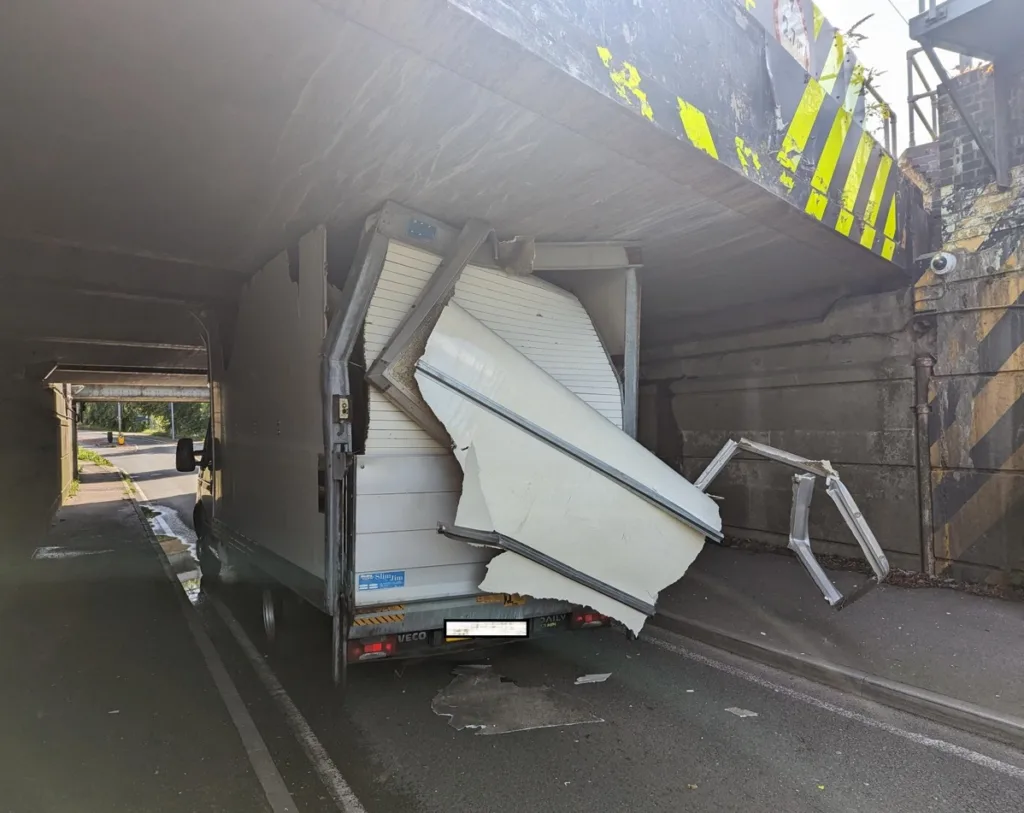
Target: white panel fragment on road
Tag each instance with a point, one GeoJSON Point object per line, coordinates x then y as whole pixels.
{"type": "Point", "coordinates": [741, 712]}
{"type": "Point", "coordinates": [522, 487]}
{"type": "Point", "coordinates": [57, 552]}
{"type": "Point", "coordinates": [600, 677]}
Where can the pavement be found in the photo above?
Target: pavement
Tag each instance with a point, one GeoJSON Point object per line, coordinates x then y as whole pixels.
{"type": "Point", "coordinates": [105, 701]}
{"type": "Point", "coordinates": [963, 648]}
{"type": "Point", "coordinates": [676, 725]}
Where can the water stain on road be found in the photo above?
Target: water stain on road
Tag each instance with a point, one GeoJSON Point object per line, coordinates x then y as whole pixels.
{"type": "Point", "coordinates": [178, 542]}
{"type": "Point", "coordinates": [483, 701]}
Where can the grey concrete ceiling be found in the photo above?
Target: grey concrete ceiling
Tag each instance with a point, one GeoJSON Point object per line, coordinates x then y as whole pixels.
{"type": "Point", "coordinates": [157, 152]}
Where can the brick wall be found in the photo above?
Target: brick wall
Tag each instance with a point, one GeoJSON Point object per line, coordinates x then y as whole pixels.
{"type": "Point", "coordinates": [961, 162]}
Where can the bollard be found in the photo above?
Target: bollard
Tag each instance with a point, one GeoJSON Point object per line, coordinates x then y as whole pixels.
{"type": "Point", "coordinates": [110, 437]}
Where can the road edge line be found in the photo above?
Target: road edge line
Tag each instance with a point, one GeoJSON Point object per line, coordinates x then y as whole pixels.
{"type": "Point", "coordinates": [939, 708]}
{"type": "Point", "coordinates": [334, 781]}
{"type": "Point", "coordinates": [274, 788]}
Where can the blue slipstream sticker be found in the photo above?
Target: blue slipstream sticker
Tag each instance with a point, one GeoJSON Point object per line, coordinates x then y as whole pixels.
{"type": "Point", "coordinates": [387, 580]}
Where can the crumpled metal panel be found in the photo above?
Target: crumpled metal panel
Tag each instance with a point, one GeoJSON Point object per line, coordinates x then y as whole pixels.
{"type": "Point", "coordinates": [523, 487]}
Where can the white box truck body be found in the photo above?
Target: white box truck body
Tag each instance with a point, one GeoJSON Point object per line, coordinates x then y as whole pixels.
{"type": "Point", "coordinates": [437, 436]}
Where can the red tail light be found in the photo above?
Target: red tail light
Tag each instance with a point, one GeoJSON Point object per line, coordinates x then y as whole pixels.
{"type": "Point", "coordinates": [371, 649]}
{"type": "Point", "coordinates": [587, 618]}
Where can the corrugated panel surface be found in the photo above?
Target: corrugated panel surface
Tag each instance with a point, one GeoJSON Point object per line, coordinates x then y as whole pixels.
{"type": "Point", "coordinates": [407, 482]}
{"type": "Point", "coordinates": [546, 324]}
{"type": "Point", "coordinates": [550, 327]}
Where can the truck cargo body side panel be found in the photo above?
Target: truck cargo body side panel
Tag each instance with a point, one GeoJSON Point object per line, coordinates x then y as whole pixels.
{"type": "Point", "coordinates": [271, 418]}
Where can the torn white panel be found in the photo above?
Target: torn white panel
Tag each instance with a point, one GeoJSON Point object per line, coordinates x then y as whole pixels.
{"type": "Point", "coordinates": [529, 490]}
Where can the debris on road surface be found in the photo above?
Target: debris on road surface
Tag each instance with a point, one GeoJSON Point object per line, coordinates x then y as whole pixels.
{"type": "Point", "coordinates": [596, 678]}
{"type": "Point", "coordinates": [57, 552]}
{"type": "Point", "coordinates": [488, 704]}
{"type": "Point", "coordinates": [471, 668]}
{"type": "Point", "coordinates": [691, 786]}
{"type": "Point", "coordinates": [741, 712]}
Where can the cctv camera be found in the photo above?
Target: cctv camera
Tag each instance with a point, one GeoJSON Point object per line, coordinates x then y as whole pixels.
{"type": "Point", "coordinates": [942, 263]}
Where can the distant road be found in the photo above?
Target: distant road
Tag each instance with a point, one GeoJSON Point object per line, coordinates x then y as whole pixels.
{"type": "Point", "coordinates": [150, 462]}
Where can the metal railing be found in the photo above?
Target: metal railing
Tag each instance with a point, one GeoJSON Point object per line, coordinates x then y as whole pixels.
{"type": "Point", "coordinates": [928, 118]}
{"type": "Point", "coordinates": [888, 117]}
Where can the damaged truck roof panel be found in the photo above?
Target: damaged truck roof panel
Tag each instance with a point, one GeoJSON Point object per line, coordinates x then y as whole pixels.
{"type": "Point", "coordinates": [595, 518]}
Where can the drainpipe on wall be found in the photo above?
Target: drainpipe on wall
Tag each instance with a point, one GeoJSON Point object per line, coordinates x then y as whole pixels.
{"type": "Point", "coordinates": [923, 372]}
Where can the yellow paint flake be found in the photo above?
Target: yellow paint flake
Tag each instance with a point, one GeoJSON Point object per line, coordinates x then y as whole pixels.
{"type": "Point", "coordinates": [627, 82]}
{"type": "Point", "coordinates": [747, 156]}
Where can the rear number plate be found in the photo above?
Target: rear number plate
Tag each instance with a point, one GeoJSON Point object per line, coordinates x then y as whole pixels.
{"type": "Point", "coordinates": [485, 629]}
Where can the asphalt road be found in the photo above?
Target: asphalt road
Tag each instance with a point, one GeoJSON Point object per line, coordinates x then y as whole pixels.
{"type": "Point", "coordinates": [150, 462]}
{"type": "Point", "coordinates": [676, 726]}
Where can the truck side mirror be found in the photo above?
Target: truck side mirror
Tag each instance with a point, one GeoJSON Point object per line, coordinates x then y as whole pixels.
{"type": "Point", "coordinates": [185, 455]}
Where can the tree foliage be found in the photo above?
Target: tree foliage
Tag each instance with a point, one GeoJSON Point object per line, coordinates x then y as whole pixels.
{"type": "Point", "coordinates": [189, 419]}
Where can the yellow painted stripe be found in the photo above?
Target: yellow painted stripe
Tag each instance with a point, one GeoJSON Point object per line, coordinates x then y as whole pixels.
{"type": "Point", "coordinates": [800, 128]}
{"type": "Point", "coordinates": [819, 20]}
{"type": "Point", "coordinates": [889, 244]}
{"type": "Point", "coordinates": [369, 621]}
{"type": "Point", "coordinates": [817, 205]}
{"type": "Point", "coordinates": [826, 168]}
{"type": "Point", "coordinates": [695, 123]}
{"type": "Point", "coordinates": [875, 201]}
{"type": "Point", "coordinates": [853, 181]}
{"type": "Point", "coordinates": [890, 220]}
{"type": "Point", "coordinates": [979, 514]}
{"type": "Point", "coordinates": [854, 89]}
{"type": "Point", "coordinates": [996, 398]}
{"type": "Point", "coordinates": [834, 63]}
{"type": "Point", "coordinates": [994, 299]}
{"type": "Point", "coordinates": [878, 190]}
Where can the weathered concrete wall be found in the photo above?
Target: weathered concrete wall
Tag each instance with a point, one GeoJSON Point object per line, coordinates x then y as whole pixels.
{"type": "Point", "coordinates": [977, 420]}
{"type": "Point", "coordinates": [62, 413]}
{"type": "Point", "coordinates": [35, 463]}
{"type": "Point", "coordinates": [839, 388]}
{"type": "Point", "coordinates": [842, 387]}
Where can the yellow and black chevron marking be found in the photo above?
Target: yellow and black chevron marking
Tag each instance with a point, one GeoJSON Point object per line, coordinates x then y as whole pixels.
{"type": "Point", "coordinates": [852, 182]}
{"type": "Point", "coordinates": [374, 620]}
{"type": "Point", "coordinates": [381, 615]}
{"type": "Point", "coordinates": [819, 20]}
{"type": "Point", "coordinates": [977, 430]}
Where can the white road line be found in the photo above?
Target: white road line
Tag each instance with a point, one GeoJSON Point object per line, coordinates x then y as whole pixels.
{"type": "Point", "coordinates": [920, 739]}
{"type": "Point", "coordinates": [136, 486]}
{"type": "Point", "coordinates": [335, 783]}
{"type": "Point", "coordinates": [269, 777]}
